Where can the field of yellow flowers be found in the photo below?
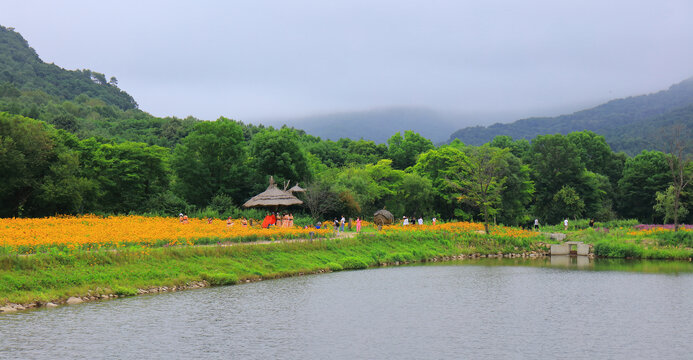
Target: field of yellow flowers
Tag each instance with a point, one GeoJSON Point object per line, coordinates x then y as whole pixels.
{"type": "Point", "coordinates": [93, 232]}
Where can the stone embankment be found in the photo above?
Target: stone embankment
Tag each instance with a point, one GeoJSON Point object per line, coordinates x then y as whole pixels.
{"type": "Point", "coordinates": [98, 296]}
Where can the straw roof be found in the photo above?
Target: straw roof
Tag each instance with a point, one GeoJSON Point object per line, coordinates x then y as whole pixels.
{"type": "Point", "coordinates": [297, 188]}
{"type": "Point", "coordinates": [273, 196]}
{"type": "Point", "coordinates": [383, 217]}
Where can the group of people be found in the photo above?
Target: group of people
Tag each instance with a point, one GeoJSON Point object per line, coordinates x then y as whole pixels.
{"type": "Point", "coordinates": [565, 224]}
{"type": "Point", "coordinates": [414, 221]}
{"type": "Point", "coordinates": [279, 220]}
{"type": "Point", "coordinates": [183, 218]}
{"type": "Point", "coordinates": [339, 224]}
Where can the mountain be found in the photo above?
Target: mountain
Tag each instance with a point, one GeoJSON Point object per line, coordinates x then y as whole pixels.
{"type": "Point", "coordinates": [631, 124]}
{"type": "Point", "coordinates": [21, 66]}
{"type": "Point", "coordinates": [378, 125]}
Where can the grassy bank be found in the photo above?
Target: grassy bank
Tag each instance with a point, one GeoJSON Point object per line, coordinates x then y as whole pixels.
{"type": "Point", "coordinates": [55, 276]}
{"type": "Point", "coordinates": [626, 242]}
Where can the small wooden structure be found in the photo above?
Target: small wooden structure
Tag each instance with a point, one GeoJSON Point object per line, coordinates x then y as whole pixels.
{"type": "Point", "coordinates": [297, 189]}
{"type": "Point", "coordinates": [273, 197]}
{"type": "Point", "coordinates": [572, 248]}
{"type": "Point", "coordinates": [383, 217]}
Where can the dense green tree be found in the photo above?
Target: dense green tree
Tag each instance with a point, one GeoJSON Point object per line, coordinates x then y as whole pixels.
{"type": "Point", "coordinates": [555, 163]}
{"type": "Point", "coordinates": [211, 160]}
{"type": "Point", "coordinates": [596, 154]}
{"type": "Point", "coordinates": [518, 192]}
{"type": "Point", "coordinates": [520, 148]}
{"type": "Point", "coordinates": [643, 176]}
{"type": "Point", "coordinates": [131, 174]}
{"type": "Point", "coordinates": [277, 153]}
{"type": "Point", "coordinates": [27, 151]}
{"type": "Point", "coordinates": [567, 203]}
{"type": "Point", "coordinates": [329, 153]}
{"type": "Point", "coordinates": [666, 203]}
{"type": "Point", "coordinates": [483, 181]}
{"type": "Point", "coordinates": [680, 161]}
{"type": "Point", "coordinates": [415, 195]}
{"type": "Point", "coordinates": [403, 151]}
{"type": "Point", "coordinates": [439, 165]}
{"type": "Point", "coordinates": [362, 151]}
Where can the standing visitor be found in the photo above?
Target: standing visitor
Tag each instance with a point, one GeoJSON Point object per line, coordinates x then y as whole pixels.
{"type": "Point", "coordinates": [341, 223]}
{"type": "Point", "coordinates": [420, 220]}
{"type": "Point", "coordinates": [180, 218]}
{"type": "Point", "coordinates": [592, 222]}
{"type": "Point", "coordinates": [405, 222]}
{"type": "Point", "coordinates": [185, 219]}
{"type": "Point", "coordinates": [565, 224]}
{"type": "Point", "coordinates": [336, 225]}
{"type": "Point", "coordinates": [536, 224]}
{"type": "Point", "coordinates": [291, 220]}
{"type": "Point", "coordinates": [434, 221]}
{"type": "Point", "coordinates": [358, 224]}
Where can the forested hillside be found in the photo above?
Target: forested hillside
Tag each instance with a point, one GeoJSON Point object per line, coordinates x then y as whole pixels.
{"type": "Point", "coordinates": [21, 66]}
{"type": "Point", "coordinates": [83, 154]}
{"type": "Point", "coordinates": [631, 125]}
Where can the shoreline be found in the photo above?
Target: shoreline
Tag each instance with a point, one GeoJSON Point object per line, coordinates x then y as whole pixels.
{"type": "Point", "coordinates": [74, 300]}
{"type": "Point", "coordinates": [50, 279]}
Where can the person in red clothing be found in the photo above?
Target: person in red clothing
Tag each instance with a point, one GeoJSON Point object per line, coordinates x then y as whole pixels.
{"type": "Point", "coordinates": [267, 221]}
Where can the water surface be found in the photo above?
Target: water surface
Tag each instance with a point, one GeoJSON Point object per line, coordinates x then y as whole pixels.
{"type": "Point", "coordinates": [447, 311]}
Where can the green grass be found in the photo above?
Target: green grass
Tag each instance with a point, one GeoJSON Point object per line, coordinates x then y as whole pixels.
{"type": "Point", "coordinates": [58, 275]}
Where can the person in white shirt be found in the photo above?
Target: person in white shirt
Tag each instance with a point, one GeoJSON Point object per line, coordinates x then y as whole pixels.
{"type": "Point", "coordinates": [405, 222]}
{"type": "Point", "coordinates": [420, 220]}
{"type": "Point", "coordinates": [565, 224]}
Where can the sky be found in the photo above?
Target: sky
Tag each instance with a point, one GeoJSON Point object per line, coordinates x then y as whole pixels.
{"type": "Point", "coordinates": [254, 60]}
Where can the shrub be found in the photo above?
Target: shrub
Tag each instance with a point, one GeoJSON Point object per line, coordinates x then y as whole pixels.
{"type": "Point", "coordinates": [219, 279]}
{"type": "Point", "coordinates": [349, 263]}
{"type": "Point", "coordinates": [124, 291]}
{"type": "Point", "coordinates": [333, 266]}
{"type": "Point", "coordinates": [675, 238]}
{"type": "Point", "coordinates": [399, 257]}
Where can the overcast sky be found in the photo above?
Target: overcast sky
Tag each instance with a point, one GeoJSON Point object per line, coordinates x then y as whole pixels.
{"type": "Point", "coordinates": [256, 59]}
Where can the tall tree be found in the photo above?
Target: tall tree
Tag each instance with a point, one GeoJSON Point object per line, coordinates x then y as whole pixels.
{"type": "Point", "coordinates": [679, 146]}
{"type": "Point", "coordinates": [555, 162]}
{"type": "Point", "coordinates": [277, 153]}
{"type": "Point", "coordinates": [211, 160]}
{"type": "Point", "coordinates": [484, 182]}
{"type": "Point", "coordinates": [26, 152]}
{"type": "Point", "coordinates": [643, 176]}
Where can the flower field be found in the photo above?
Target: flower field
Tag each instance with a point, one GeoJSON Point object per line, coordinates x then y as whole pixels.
{"type": "Point", "coordinates": [26, 236]}
{"type": "Point", "coordinates": [466, 228]}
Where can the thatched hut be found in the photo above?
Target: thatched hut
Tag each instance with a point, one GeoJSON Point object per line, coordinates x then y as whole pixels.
{"type": "Point", "coordinates": [297, 189]}
{"type": "Point", "coordinates": [383, 217]}
{"type": "Point", "coordinates": [272, 197]}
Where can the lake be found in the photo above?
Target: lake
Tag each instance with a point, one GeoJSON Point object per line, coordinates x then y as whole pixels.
{"type": "Point", "coordinates": [487, 308]}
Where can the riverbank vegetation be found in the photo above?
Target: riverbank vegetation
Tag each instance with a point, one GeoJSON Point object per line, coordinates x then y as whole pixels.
{"type": "Point", "coordinates": [74, 271]}
{"type": "Point", "coordinates": [53, 271]}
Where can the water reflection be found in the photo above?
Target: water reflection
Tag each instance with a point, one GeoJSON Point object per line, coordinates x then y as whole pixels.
{"type": "Point", "coordinates": [486, 308]}
{"type": "Point", "coordinates": [586, 263]}
{"type": "Point", "coordinates": [580, 262]}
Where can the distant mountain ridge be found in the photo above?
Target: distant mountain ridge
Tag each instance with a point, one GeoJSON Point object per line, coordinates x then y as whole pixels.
{"type": "Point", "coordinates": [629, 124]}
{"type": "Point", "coordinates": [378, 125]}
{"type": "Point", "coordinates": [21, 66]}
